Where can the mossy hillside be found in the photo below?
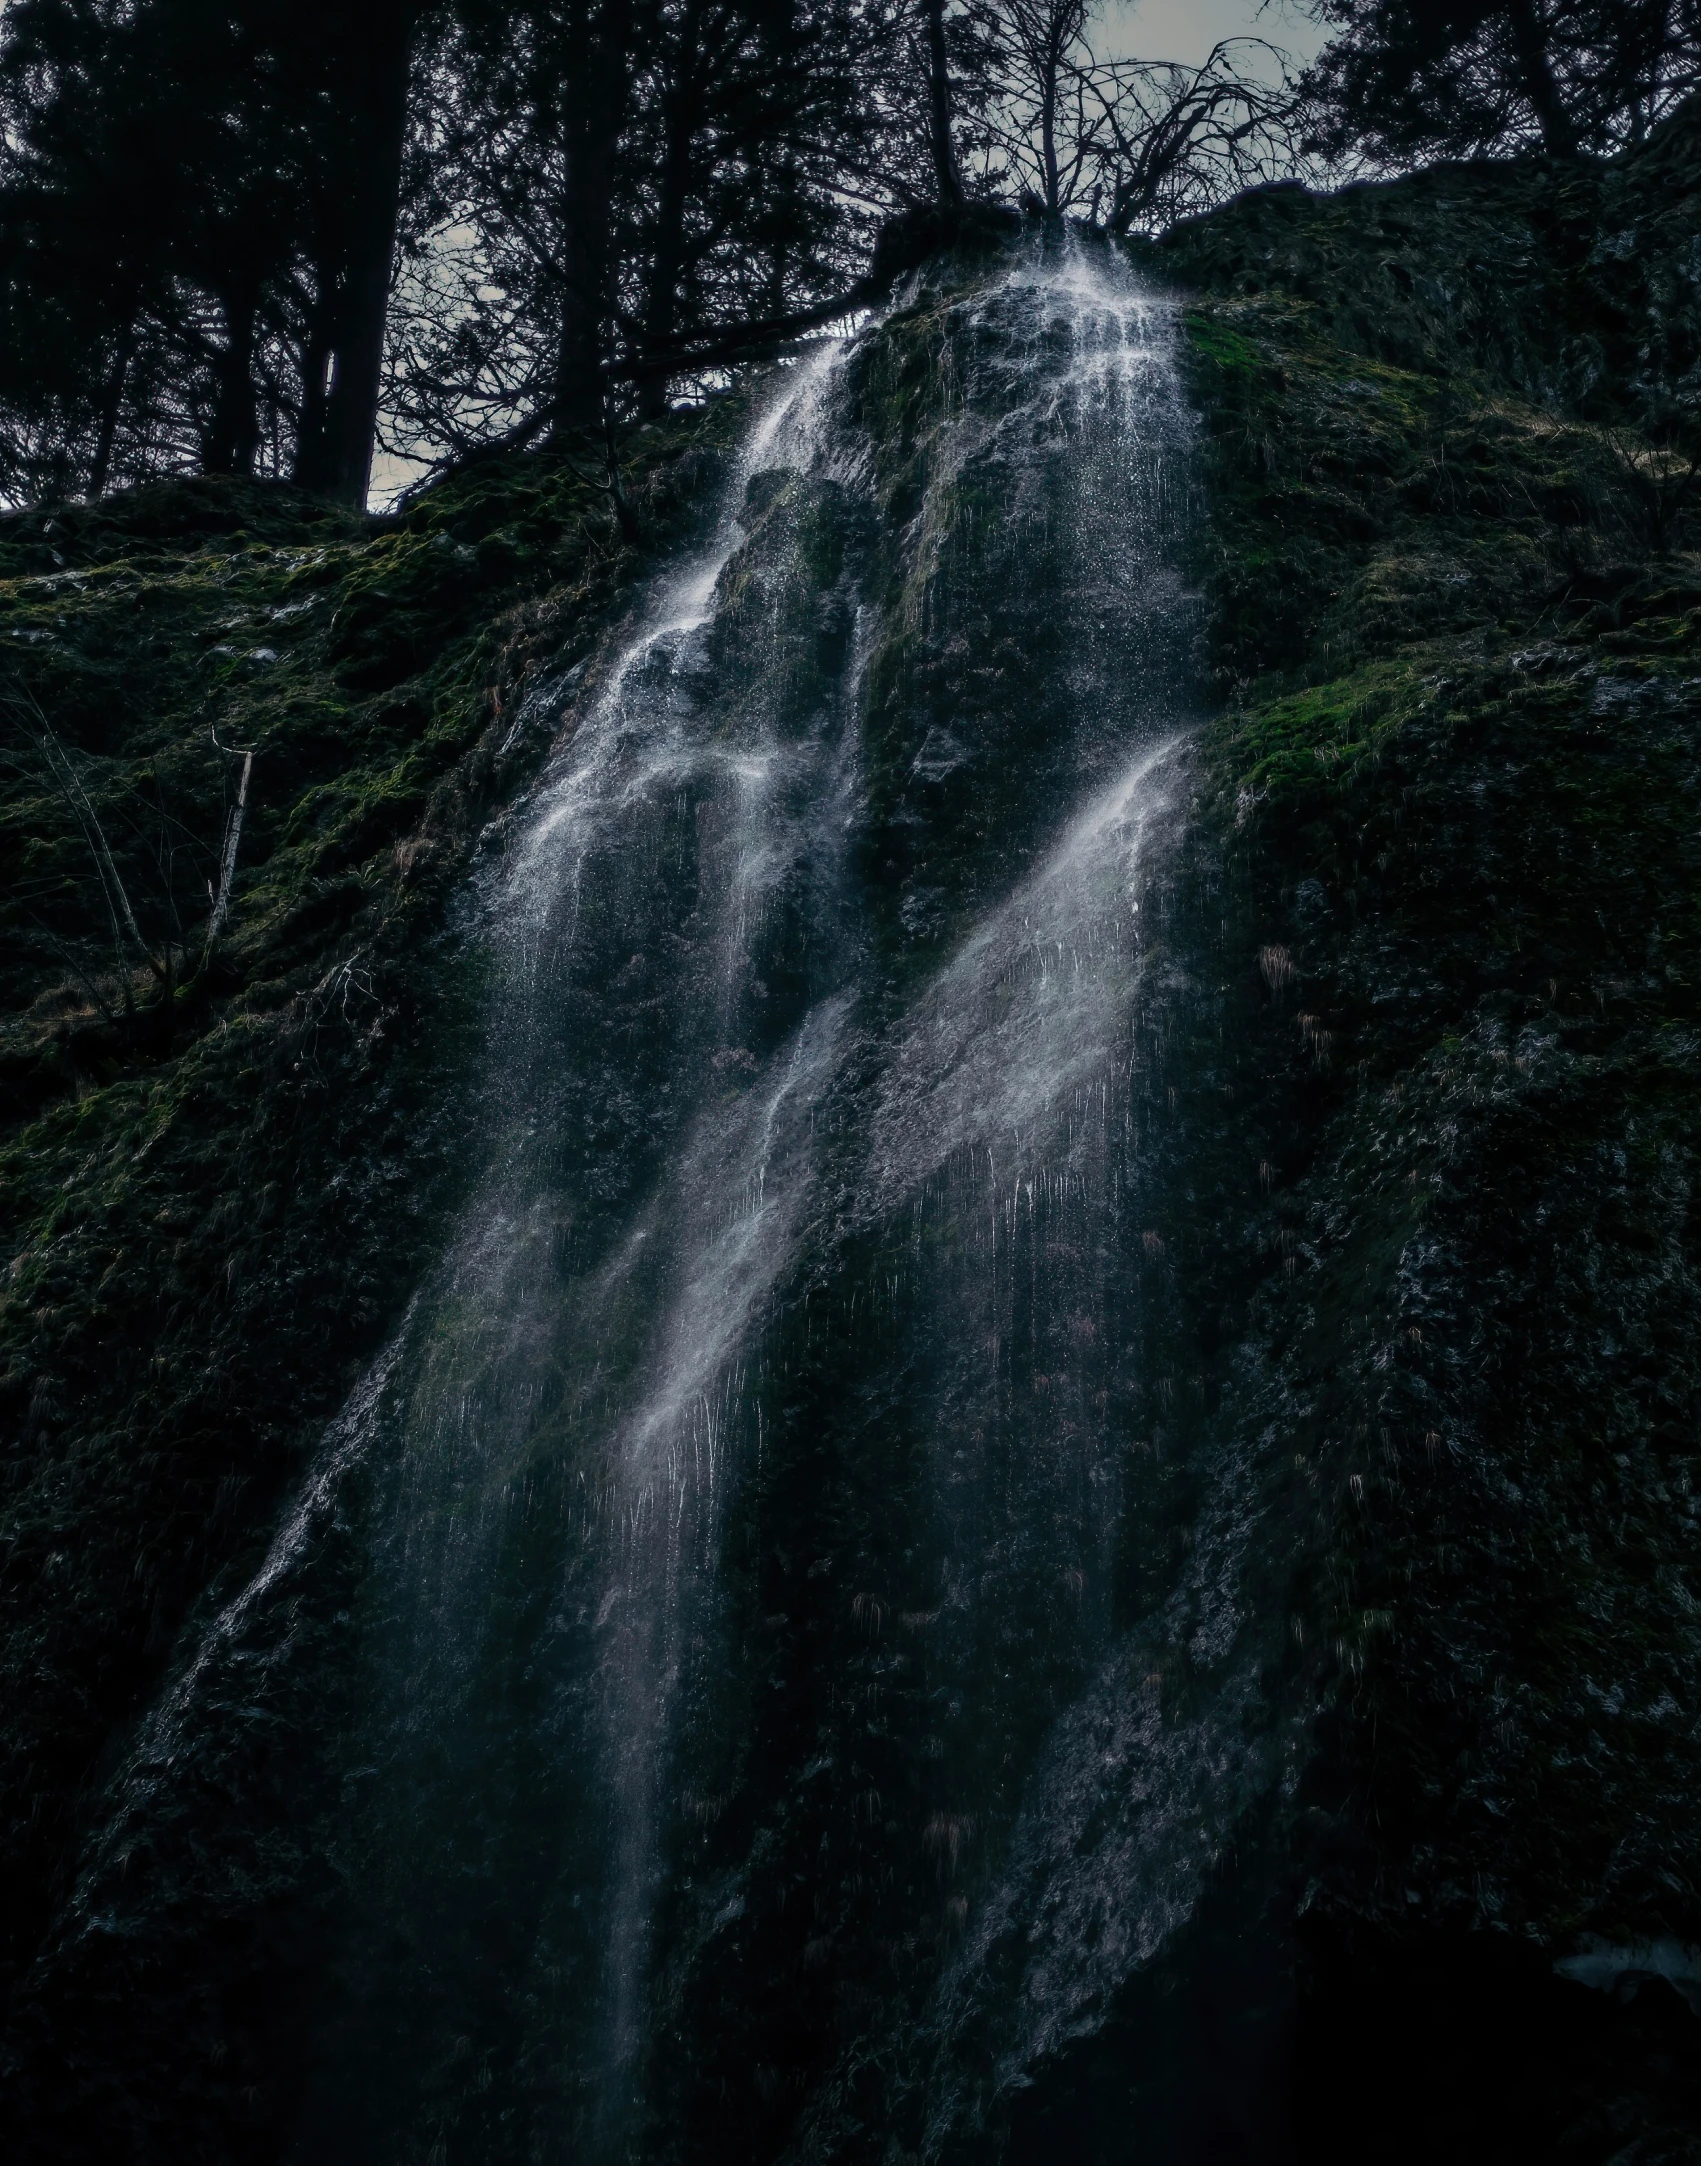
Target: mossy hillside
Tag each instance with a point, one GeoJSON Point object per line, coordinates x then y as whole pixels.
{"type": "Point", "coordinates": [221, 1175]}
{"type": "Point", "coordinates": [1456, 789]}
{"type": "Point", "coordinates": [1574, 286]}
{"type": "Point", "coordinates": [1484, 1360]}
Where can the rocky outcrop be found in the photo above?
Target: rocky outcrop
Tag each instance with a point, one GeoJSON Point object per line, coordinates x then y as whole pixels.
{"type": "Point", "coordinates": [1344, 1811]}
{"type": "Point", "coordinates": [1452, 536]}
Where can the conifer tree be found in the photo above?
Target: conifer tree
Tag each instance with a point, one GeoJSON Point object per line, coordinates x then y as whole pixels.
{"type": "Point", "coordinates": [1403, 78]}
{"type": "Point", "coordinates": [198, 208]}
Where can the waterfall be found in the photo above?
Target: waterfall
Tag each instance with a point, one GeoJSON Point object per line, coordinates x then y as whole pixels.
{"type": "Point", "coordinates": [696, 1629]}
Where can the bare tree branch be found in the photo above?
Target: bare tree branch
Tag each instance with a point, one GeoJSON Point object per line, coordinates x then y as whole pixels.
{"type": "Point", "coordinates": [232, 843]}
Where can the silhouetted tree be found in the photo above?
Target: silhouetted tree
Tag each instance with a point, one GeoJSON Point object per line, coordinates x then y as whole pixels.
{"type": "Point", "coordinates": [1168, 141]}
{"type": "Point", "coordinates": [1133, 143]}
{"type": "Point", "coordinates": [1044, 75]}
{"type": "Point", "coordinates": [592, 203]}
{"type": "Point", "coordinates": [630, 195]}
{"type": "Point", "coordinates": [88, 194]}
{"type": "Point", "coordinates": [752, 138]}
{"type": "Point", "coordinates": [198, 209]}
{"type": "Point", "coordinates": [1407, 77]}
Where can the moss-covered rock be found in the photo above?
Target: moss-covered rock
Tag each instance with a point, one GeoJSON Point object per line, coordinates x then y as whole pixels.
{"type": "Point", "coordinates": [1455, 791]}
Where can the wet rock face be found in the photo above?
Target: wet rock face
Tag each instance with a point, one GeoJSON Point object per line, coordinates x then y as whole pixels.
{"type": "Point", "coordinates": [1459, 773]}
{"type": "Point", "coordinates": [1039, 1497]}
{"type": "Point", "coordinates": [799, 1586]}
{"type": "Point", "coordinates": [692, 1592]}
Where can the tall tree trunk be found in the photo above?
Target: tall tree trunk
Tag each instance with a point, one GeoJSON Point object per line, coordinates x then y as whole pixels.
{"type": "Point", "coordinates": [947, 181]}
{"type": "Point", "coordinates": [112, 405]}
{"type": "Point", "coordinates": [374, 117]}
{"type": "Point", "coordinates": [597, 91]}
{"type": "Point", "coordinates": [1530, 42]}
{"type": "Point", "coordinates": [1048, 141]}
{"type": "Point", "coordinates": [661, 315]}
{"type": "Point", "coordinates": [579, 390]}
{"type": "Point", "coordinates": [234, 436]}
{"type": "Point", "coordinates": [312, 468]}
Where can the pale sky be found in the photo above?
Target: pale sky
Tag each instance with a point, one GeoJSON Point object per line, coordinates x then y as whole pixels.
{"type": "Point", "coordinates": [1187, 29]}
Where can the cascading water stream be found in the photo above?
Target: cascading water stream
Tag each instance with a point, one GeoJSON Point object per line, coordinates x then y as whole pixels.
{"type": "Point", "coordinates": [603, 1305]}
{"type": "Point", "coordinates": [736, 1541]}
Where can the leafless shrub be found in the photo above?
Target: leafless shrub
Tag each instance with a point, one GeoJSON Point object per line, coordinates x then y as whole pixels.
{"type": "Point", "coordinates": [1166, 141]}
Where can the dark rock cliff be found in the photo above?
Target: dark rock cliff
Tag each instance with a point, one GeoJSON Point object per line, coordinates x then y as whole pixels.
{"type": "Point", "coordinates": [1452, 519]}
{"type": "Point", "coordinates": [1422, 1245]}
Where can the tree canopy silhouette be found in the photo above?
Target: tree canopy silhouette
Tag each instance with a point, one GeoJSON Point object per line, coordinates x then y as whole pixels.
{"type": "Point", "coordinates": [258, 237]}
{"type": "Point", "coordinates": [1403, 78]}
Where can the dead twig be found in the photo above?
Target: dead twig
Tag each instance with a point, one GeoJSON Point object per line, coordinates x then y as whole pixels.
{"type": "Point", "coordinates": [232, 843]}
